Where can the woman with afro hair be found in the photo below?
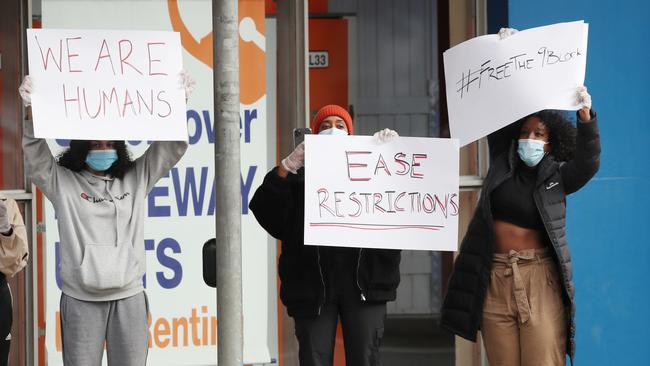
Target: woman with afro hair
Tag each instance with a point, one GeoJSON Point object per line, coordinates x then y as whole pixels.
{"type": "Point", "coordinates": [99, 196]}
{"type": "Point", "coordinates": [513, 276]}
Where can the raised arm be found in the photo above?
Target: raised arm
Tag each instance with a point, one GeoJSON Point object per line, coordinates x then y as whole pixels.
{"type": "Point", "coordinates": [586, 159]}
{"type": "Point", "coordinates": [274, 201]}
{"type": "Point", "coordinates": [499, 141]}
{"type": "Point", "coordinates": [41, 165]}
{"type": "Point", "coordinates": [159, 158]}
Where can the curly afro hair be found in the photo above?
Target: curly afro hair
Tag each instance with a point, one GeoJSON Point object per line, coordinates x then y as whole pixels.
{"type": "Point", "coordinates": [74, 158]}
{"type": "Point", "coordinates": [562, 134]}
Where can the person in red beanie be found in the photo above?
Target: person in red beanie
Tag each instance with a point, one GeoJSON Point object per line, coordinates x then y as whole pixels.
{"type": "Point", "coordinates": [320, 285]}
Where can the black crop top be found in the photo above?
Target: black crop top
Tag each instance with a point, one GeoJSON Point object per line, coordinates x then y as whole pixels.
{"type": "Point", "coordinates": [512, 201]}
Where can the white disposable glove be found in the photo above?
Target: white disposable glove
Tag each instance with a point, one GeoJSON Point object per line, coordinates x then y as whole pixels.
{"type": "Point", "coordinates": [4, 218]}
{"type": "Point", "coordinates": [187, 83]}
{"type": "Point", "coordinates": [506, 32]}
{"type": "Point", "coordinates": [25, 89]}
{"type": "Point", "coordinates": [295, 160]}
{"type": "Point", "coordinates": [385, 135]}
{"type": "Point", "coordinates": [584, 99]}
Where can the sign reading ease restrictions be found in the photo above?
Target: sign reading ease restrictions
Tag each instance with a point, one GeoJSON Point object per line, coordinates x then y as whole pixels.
{"type": "Point", "coordinates": [398, 195]}
{"type": "Point", "coordinates": [107, 85]}
{"type": "Point", "coordinates": [492, 83]}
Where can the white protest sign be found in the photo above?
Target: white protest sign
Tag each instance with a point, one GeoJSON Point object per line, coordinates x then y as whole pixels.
{"type": "Point", "coordinates": [398, 195]}
{"type": "Point", "coordinates": [492, 83]}
{"type": "Point", "coordinates": [106, 85]}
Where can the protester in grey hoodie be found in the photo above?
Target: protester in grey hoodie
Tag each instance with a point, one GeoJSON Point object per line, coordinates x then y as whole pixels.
{"type": "Point", "coordinates": [99, 196]}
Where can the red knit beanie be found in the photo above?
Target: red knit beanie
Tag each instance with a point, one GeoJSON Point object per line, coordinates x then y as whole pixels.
{"type": "Point", "coordinates": [331, 110]}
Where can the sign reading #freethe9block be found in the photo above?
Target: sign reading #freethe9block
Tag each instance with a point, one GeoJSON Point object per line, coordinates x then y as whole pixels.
{"type": "Point", "coordinates": [107, 84]}
{"type": "Point", "coordinates": [397, 195]}
{"type": "Point", "coordinates": [492, 82]}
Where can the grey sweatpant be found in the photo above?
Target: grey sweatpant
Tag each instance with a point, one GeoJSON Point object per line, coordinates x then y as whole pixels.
{"type": "Point", "coordinates": [122, 324]}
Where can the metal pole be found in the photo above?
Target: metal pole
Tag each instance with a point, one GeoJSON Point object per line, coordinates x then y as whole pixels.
{"type": "Point", "coordinates": [230, 340]}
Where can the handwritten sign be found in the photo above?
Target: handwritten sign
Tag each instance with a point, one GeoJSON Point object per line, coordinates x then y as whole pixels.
{"type": "Point", "coordinates": [492, 83]}
{"type": "Point", "coordinates": [399, 195]}
{"type": "Point", "coordinates": [106, 85]}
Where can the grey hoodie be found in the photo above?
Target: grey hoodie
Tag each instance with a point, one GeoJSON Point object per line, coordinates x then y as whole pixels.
{"type": "Point", "coordinates": [100, 219]}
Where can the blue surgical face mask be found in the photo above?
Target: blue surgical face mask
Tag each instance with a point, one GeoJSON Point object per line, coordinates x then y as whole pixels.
{"type": "Point", "coordinates": [333, 132]}
{"type": "Point", "coordinates": [531, 151]}
{"type": "Point", "coordinates": [101, 160]}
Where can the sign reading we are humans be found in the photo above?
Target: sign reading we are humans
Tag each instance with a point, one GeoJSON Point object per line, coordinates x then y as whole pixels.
{"type": "Point", "coordinates": [492, 82]}
{"type": "Point", "coordinates": [107, 85]}
{"type": "Point", "coordinates": [398, 195]}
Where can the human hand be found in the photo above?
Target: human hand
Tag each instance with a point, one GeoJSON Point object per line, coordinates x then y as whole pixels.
{"type": "Point", "coordinates": [385, 135]}
{"type": "Point", "coordinates": [4, 218]}
{"type": "Point", "coordinates": [295, 160]}
{"type": "Point", "coordinates": [25, 90]}
{"type": "Point", "coordinates": [187, 83]}
{"type": "Point", "coordinates": [584, 99]}
{"type": "Point", "coordinates": [506, 32]}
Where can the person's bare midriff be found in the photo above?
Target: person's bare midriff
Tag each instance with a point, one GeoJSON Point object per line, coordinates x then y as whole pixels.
{"type": "Point", "coordinates": [512, 237]}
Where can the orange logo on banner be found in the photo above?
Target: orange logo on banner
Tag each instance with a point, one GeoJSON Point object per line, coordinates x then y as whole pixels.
{"type": "Point", "coordinates": [251, 55]}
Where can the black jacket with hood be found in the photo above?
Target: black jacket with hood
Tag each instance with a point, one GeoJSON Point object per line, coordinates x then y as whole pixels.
{"type": "Point", "coordinates": [463, 305]}
{"type": "Point", "coordinates": [278, 205]}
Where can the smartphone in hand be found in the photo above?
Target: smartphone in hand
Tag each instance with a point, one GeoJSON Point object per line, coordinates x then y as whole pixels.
{"type": "Point", "coordinates": [299, 135]}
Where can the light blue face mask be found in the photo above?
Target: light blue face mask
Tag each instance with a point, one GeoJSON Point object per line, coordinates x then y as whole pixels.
{"type": "Point", "coordinates": [101, 160]}
{"type": "Point", "coordinates": [334, 132]}
{"type": "Point", "coordinates": [531, 151]}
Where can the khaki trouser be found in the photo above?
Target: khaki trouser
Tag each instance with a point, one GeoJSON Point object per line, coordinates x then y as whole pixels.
{"type": "Point", "coordinates": [524, 321]}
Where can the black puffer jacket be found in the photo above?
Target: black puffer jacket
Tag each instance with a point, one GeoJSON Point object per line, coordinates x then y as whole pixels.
{"type": "Point", "coordinates": [278, 205]}
{"type": "Point", "coordinates": [463, 305]}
